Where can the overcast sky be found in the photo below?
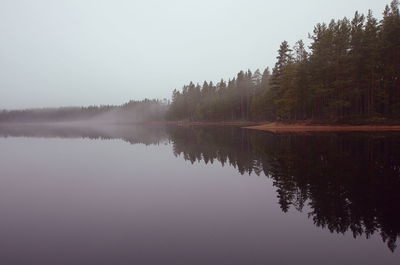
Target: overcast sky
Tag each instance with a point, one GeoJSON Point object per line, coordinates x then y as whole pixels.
{"type": "Point", "coordinates": [84, 52]}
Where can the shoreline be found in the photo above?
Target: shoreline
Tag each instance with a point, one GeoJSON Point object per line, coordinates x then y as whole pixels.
{"type": "Point", "coordinates": [205, 123]}
{"type": "Point", "coordinates": [303, 127]}
{"type": "Point", "coordinates": [290, 126]}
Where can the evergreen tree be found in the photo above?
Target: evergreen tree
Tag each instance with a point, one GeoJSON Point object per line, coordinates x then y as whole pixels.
{"type": "Point", "coordinates": [351, 70]}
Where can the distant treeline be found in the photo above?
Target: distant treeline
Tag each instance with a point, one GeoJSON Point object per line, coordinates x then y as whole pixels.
{"type": "Point", "coordinates": [352, 69]}
{"type": "Point", "coordinates": [133, 111]}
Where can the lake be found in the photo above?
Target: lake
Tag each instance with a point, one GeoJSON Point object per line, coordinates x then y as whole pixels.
{"type": "Point", "coordinates": [75, 194]}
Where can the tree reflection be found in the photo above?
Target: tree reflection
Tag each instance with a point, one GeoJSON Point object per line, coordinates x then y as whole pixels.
{"type": "Point", "coordinates": [350, 181]}
{"type": "Point", "coordinates": [138, 134]}
{"type": "Point", "coordinates": [346, 181]}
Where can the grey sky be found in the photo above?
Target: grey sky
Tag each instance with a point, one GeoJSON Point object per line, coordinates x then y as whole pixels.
{"type": "Point", "coordinates": [68, 52]}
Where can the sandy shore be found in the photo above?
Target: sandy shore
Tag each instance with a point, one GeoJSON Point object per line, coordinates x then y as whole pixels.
{"type": "Point", "coordinates": [298, 127]}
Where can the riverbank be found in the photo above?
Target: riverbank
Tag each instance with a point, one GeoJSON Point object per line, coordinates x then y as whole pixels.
{"type": "Point", "coordinates": [295, 126]}
{"type": "Point", "coordinates": [299, 126]}
{"type": "Point", "coordinates": [206, 123]}
{"type": "Point", "coordinates": [306, 127]}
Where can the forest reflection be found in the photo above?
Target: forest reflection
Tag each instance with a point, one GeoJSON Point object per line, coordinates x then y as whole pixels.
{"type": "Point", "coordinates": [148, 135]}
{"type": "Point", "coordinates": [348, 182]}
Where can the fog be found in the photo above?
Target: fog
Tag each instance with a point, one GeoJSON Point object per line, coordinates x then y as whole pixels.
{"type": "Point", "coordinates": [131, 112]}
{"type": "Point", "coordinates": [145, 134]}
{"type": "Point", "coordinates": [80, 53]}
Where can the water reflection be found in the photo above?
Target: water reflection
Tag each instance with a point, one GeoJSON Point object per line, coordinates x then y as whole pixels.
{"type": "Point", "coordinates": [148, 135]}
{"type": "Point", "coordinates": [349, 181]}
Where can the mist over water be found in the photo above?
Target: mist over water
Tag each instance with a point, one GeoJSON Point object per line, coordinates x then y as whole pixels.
{"type": "Point", "coordinates": [87, 179]}
{"type": "Point", "coordinates": [83, 193]}
{"type": "Point", "coordinates": [130, 112]}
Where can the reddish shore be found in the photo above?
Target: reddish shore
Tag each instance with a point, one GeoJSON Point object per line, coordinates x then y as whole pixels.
{"type": "Point", "coordinates": [304, 127]}
{"type": "Point", "coordinates": [205, 123]}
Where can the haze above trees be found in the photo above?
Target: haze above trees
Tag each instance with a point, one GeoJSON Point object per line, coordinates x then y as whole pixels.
{"type": "Point", "coordinates": [350, 70]}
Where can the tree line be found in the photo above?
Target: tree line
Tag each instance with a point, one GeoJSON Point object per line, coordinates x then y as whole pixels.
{"type": "Point", "coordinates": [132, 111]}
{"type": "Point", "coordinates": [351, 69]}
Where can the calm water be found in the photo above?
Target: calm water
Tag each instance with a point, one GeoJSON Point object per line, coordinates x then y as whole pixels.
{"type": "Point", "coordinates": [197, 195]}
